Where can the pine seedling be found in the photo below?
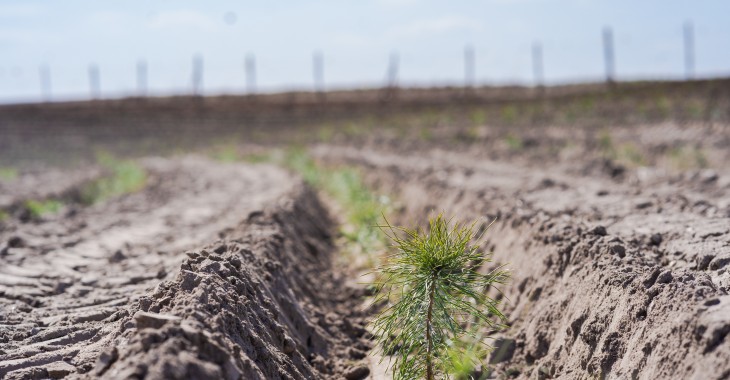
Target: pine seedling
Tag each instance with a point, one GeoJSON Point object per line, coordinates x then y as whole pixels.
{"type": "Point", "coordinates": [435, 296]}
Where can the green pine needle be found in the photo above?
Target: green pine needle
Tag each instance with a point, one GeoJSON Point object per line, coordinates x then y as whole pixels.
{"type": "Point", "coordinates": [435, 296]}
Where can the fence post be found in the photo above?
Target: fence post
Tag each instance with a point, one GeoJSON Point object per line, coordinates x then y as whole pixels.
{"type": "Point", "coordinates": [608, 55]}
{"type": "Point", "coordinates": [391, 78]}
{"type": "Point", "coordinates": [45, 76]}
{"type": "Point", "coordinates": [142, 78]}
{"type": "Point", "coordinates": [197, 75]}
{"type": "Point", "coordinates": [537, 65]}
{"type": "Point", "coordinates": [469, 67]}
{"type": "Point", "coordinates": [689, 50]}
{"type": "Point", "coordinates": [94, 82]}
{"type": "Point", "coordinates": [318, 74]}
{"type": "Point", "coordinates": [250, 66]}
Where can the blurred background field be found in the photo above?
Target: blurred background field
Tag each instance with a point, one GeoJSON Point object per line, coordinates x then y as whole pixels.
{"type": "Point", "coordinates": [138, 78]}
{"type": "Point", "coordinates": [609, 120]}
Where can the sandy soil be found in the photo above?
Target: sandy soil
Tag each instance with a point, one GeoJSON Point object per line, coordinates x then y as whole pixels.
{"type": "Point", "coordinates": [213, 271]}
{"type": "Point", "coordinates": [224, 270]}
{"type": "Point", "coordinates": [616, 229]}
{"type": "Point", "coordinates": [613, 277]}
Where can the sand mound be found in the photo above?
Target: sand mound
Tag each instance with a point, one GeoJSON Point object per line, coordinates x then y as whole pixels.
{"type": "Point", "coordinates": [119, 289]}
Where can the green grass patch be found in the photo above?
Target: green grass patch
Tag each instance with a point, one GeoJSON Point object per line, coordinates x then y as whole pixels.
{"type": "Point", "coordinates": [605, 144]}
{"type": "Point", "coordinates": [38, 209]}
{"type": "Point", "coordinates": [688, 157]}
{"type": "Point", "coordinates": [123, 177]}
{"type": "Point", "coordinates": [4, 216]}
{"type": "Point", "coordinates": [478, 118]}
{"type": "Point", "coordinates": [509, 114]}
{"type": "Point", "coordinates": [514, 142]}
{"type": "Point", "coordinates": [8, 174]}
{"type": "Point", "coordinates": [626, 153]}
{"type": "Point", "coordinates": [466, 354]}
{"type": "Point", "coordinates": [426, 134]}
{"type": "Point", "coordinates": [362, 209]}
{"type": "Point", "coordinates": [664, 106]}
{"type": "Point", "coordinates": [226, 153]}
{"type": "Point", "coordinates": [256, 158]}
{"type": "Point", "coordinates": [325, 133]}
{"type": "Point", "coordinates": [631, 154]}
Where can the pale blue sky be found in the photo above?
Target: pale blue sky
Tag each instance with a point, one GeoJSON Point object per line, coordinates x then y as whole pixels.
{"type": "Point", "coordinates": [356, 38]}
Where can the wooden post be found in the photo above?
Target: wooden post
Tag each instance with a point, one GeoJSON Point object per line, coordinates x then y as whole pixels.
{"type": "Point", "coordinates": [469, 67]}
{"type": "Point", "coordinates": [318, 74]}
{"type": "Point", "coordinates": [250, 66]}
{"type": "Point", "coordinates": [391, 77]}
{"type": "Point", "coordinates": [197, 75]}
{"type": "Point", "coordinates": [608, 55]}
{"type": "Point", "coordinates": [537, 68]}
{"type": "Point", "coordinates": [94, 82]}
{"type": "Point", "coordinates": [689, 50]}
{"type": "Point", "coordinates": [45, 76]}
{"type": "Point", "coordinates": [142, 78]}
{"type": "Point", "coordinates": [393, 70]}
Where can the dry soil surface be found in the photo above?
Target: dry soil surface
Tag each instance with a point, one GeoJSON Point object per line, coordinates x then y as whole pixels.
{"type": "Point", "coordinates": [212, 271]}
{"type": "Point", "coordinates": [612, 277]}
{"type": "Point", "coordinates": [225, 270]}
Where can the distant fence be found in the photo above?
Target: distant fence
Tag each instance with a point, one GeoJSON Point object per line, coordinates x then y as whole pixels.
{"type": "Point", "coordinates": [391, 81]}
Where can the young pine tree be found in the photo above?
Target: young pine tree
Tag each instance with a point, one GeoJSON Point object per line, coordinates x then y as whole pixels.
{"type": "Point", "coordinates": [435, 295]}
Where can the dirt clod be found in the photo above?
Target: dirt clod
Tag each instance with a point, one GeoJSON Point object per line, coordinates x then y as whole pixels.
{"type": "Point", "coordinates": [656, 239]}
{"type": "Point", "coordinates": [664, 277]}
{"type": "Point", "coordinates": [357, 373]}
{"type": "Point", "coordinates": [146, 320]}
{"type": "Point", "coordinates": [599, 231]}
{"type": "Point", "coordinates": [619, 250]}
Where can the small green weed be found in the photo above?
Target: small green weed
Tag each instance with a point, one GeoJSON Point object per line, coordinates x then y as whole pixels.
{"type": "Point", "coordinates": [632, 154]}
{"type": "Point", "coordinates": [478, 118]}
{"type": "Point", "coordinates": [586, 105]}
{"type": "Point", "coordinates": [426, 133]}
{"type": "Point", "coordinates": [353, 129]}
{"type": "Point", "coordinates": [695, 109]}
{"type": "Point", "coordinates": [469, 135]}
{"type": "Point", "coordinates": [700, 158]}
{"type": "Point", "coordinates": [436, 296]}
{"type": "Point", "coordinates": [361, 207]}
{"type": "Point", "coordinates": [256, 158]}
{"type": "Point", "coordinates": [124, 177]}
{"type": "Point", "coordinates": [513, 142]}
{"type": "Point", "coordinates": [8, 174]}
{"type": "Point", "coordinates": [605, 144]}
{"type": "Point", "coordinates": [325, 133]}
{"type": "Point", "coordinates": [38, 209]}
{"type": "Point", "coordinates": [509, 114]}
{"type": "Point", "coordinates": [225, 153]}
{"type": "Point", "coordinates": [686, 157]}
{"type": "Point", "coordinates": [466, 354]}
{"type": "Point", "coordinates": [664, 106]}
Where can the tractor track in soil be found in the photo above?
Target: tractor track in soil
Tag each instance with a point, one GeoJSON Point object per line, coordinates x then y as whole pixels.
{"type": "Point", "coordinates": [212, 270]}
